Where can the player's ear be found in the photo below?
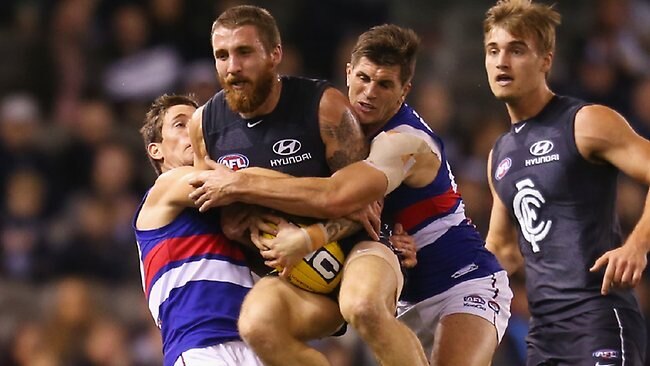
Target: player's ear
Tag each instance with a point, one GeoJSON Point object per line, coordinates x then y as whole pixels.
{"type": "Point", "coordinates": [276, 55]}
{"type": "Point", "coordinates": [405, 91]}
{"type": "Point", "coordinates": [154, 151]}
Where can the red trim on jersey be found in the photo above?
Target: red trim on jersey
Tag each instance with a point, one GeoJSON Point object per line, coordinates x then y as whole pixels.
{"type": "Point", "coordinates": [416, 213]}
{"type": "Point", "coordinates": [174, 249]}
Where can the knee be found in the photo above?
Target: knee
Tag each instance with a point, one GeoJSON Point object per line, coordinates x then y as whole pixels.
{"type": "Point", "coordinates": [258, 330]}
{"type": "Point", "coordinates": [364, 314]}
{"type": "Point", "coordinates": [259, 323]}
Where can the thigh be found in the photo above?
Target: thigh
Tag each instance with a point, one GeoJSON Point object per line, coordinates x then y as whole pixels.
{"type": "Point", "coordinates": [475, 311]}
{"type": "Point", "coordinates": [275, 302]}
{"type": "Point", "coordinates": [460, 332]}
{"type": "Point", "coordinates": [486, 298]}
{"type": "Point", "coordinates": [371, 271]}
{"type": "Point", "coordinates": [599, 337]}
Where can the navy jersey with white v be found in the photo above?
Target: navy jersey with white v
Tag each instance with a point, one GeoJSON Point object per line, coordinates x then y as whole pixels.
{"type": "Point", "coordinates": [286, 140]}
{"type": "Point", "coordinates": [564, 221]}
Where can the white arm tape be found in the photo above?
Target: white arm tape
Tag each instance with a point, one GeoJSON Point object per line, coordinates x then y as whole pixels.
{"type": "Point", "coordinates": [392, 154]}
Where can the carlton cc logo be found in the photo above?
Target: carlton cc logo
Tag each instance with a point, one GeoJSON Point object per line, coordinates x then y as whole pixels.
{"type": "Point", "coordinates": [541, 147]}
{"type": "Point", "coordinates": [287, 147]}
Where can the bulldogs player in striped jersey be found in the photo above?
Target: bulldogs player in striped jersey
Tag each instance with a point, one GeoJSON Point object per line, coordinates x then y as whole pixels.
{"type": "Point", "coordinates": [457, 298]}
{"type": "Point", "coordinates": [553, 179]}
{"type": "Point", "coordinates": [194, 278]}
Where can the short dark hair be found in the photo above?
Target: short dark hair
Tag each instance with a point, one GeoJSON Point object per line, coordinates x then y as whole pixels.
{"type": "Point", "coordinates": [260, 18]}
{"type": "Point", "coordinates": [151, 130]}
{"type": "Point", "coordinates": [389, 45]}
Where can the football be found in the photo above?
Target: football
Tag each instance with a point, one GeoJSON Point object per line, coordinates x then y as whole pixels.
{"type": "Point", "coordinates": [319, 271]}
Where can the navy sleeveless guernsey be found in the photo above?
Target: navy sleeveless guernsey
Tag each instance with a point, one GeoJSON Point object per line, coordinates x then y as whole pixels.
{"type": "Point", "coordinates": [564, 210]}
{"type": "Point", "coordinates": [286, 140]}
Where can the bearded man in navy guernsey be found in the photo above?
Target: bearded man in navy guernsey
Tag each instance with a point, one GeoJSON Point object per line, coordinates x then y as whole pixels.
{"type": "Point", "coordinates": [306, 128]}
{"type": "Point", "coordinates": [457, 296]}
{"type": "Point", "coordinates": [553, 180]}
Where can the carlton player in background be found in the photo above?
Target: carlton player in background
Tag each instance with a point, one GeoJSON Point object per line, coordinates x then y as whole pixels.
{"type": "Point", "coordinates": [553, 180]}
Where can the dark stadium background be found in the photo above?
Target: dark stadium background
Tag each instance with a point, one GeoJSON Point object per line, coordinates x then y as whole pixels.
{"type": "Point", "coordinates": [77, 75]}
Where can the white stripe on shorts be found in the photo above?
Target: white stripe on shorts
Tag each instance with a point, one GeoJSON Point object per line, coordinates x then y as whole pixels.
{"type": "Point", "coordinates": [620, 327]}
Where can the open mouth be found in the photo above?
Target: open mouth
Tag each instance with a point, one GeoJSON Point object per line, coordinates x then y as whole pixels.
{"type": "Point", "coordinates": [365, 107]}
{"type": "Point", "coordinates": [504, 79]}
{"type": "Point", "coordinates": [237, 83]}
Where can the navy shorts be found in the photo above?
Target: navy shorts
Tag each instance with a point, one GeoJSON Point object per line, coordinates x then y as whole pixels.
{"type": "Point", "coordinates": [602, 337]}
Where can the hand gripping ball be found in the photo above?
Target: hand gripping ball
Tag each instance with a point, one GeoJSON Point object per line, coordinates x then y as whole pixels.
{"type": "Point", "coordinates": [320, 271]}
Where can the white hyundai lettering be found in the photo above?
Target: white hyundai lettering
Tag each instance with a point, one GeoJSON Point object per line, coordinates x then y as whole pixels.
{"type": "Point", "coordinates": [526, 204]}
{"type": "Point", "coordinates": [290, 160]}
{"type": "Point", "coordinates": [286, 147]}
{"type": "Point", "coordinates": [541, 147]}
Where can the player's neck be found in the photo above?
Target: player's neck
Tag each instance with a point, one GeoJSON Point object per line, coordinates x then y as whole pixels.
{"type": "Point", "coordinates": [372, 129]}
{"type": "Point", "coordinates": [270, 103]}
{"type": "Point", "coordinates": [530, 105]}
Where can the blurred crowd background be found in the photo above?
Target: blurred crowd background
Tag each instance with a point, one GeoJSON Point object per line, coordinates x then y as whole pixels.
{"type": "Point", "coordinates": [76, 77]}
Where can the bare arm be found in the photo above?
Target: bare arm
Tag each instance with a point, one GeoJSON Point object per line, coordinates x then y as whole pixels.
{"type": "Point", "coordinates": [290, 243]}
{"type": "Point", "coordinates": [340, 131]}
{"type": "Point", "coordinates": [602, 135]}
{"type": "Point", "coordinates": [394, 158]}
{"type": "Point", "coordinates": [502, 235]}
{"type": "Point", "coordinates": [344, 144]}
{"type": "Point", "coordinates": [167, 198]}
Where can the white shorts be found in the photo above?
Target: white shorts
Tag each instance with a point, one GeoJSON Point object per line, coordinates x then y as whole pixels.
{"type": "Point", "coordinates": [234, 353]}
{"type": "Point", "coordinates": [488, 297]}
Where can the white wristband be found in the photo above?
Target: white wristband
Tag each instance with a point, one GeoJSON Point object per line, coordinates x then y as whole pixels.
{"type": "Point", "coordinates": [308, 244]}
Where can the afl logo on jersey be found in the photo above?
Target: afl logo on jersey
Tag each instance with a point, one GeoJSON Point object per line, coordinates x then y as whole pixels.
{"type": "Point", "coordinates": [287, 147]}
{"type": "Point", "coordinates": [503, 168]}
{"type": "Point", "coordinates": [234, 161]}
{"type": "Point", "coordinates": [541, 148]}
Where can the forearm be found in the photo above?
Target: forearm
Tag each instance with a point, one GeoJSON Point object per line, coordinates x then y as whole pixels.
{"type": "Point", "coordinates": [336, 196]}
{"type": "Point", "coordinates": [296, 196]}
{"type": "Point", "coordinates": [332, 230]}
{"type": "Point", "coordinates": [338, 229]}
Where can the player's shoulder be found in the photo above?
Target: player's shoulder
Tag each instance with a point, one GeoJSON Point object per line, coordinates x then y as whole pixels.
{"type": "Point", "coordinates": [174, 176]}
{"type": "Point", "coordinates": [164, 188]}
{"type": "Point", "coordinates": [598, 119]}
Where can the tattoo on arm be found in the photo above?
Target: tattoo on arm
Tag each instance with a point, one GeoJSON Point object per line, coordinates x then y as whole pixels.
{"type": "Point", "coordinates": [340, 228]}
{"type": "Point", "coordinates": [350, 144]}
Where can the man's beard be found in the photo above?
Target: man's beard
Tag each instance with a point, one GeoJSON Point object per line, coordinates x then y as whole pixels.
{"type": "Point", "coordinates": [241, 101]}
